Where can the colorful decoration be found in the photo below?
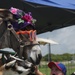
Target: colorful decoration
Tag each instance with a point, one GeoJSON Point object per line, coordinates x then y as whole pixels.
{"type": "Point", "coordinates": [31, 34]}
{"type": "Point", "coordinates": [23, 19]}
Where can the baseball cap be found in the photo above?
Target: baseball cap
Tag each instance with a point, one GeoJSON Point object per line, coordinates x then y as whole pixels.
{"type": "Point", "coordinates": [59, 65]}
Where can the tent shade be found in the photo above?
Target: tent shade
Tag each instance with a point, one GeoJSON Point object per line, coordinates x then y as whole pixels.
{"type": "Point", "coordinates": [45, 41]}
{"type": "Point", "coordinates": [50, 14]}
{"type": "Point", "coordinates": [68, 4]}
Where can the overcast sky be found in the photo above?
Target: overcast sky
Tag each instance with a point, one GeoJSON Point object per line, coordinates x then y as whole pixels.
{"type": "Point", "coordinates": [64, 36]}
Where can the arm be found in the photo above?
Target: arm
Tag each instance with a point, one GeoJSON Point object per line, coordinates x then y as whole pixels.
{"type": "Point", "coordinates": [37, 72]}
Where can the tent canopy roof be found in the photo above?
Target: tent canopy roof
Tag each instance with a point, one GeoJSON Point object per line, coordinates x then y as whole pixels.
{"type": "Point", "coordinates": [51, 15]}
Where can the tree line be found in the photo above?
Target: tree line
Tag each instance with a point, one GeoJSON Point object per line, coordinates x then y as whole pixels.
{"type": "Point", "coordinates": [59, 57]}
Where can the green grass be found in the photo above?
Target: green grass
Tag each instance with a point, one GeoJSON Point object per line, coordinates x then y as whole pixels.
{"type": "Point", "coordinates": [45, 70]}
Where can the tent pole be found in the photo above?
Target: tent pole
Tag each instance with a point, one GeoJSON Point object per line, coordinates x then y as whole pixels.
{"type": "Point", "coordinates": [49, 55]}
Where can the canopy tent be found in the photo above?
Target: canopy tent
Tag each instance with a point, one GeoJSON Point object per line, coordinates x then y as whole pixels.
{"type": "Point", "coordinates": [44, 41]}
{"type": "Point", "coordinates": [50, 14]}
{"type": "Point", "coordinates": [69, 4]}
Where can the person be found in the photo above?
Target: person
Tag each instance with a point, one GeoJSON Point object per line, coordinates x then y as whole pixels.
{"type": "Point", "coordinates": [57, 68]}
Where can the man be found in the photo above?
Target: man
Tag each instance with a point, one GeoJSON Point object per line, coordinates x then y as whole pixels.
{"type": "Point", "coordinates": [57, 68]}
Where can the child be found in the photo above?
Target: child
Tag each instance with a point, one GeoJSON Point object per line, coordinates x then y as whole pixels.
{"type": "Point", "coordinates": [57, 68]}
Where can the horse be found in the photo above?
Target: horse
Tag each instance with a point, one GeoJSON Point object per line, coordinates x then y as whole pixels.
{"type": "Point", "coordinates": [26, 47]}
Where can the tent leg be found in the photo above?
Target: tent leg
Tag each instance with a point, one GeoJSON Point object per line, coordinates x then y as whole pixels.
{"type": "Point", "coordinates": [49, 55]}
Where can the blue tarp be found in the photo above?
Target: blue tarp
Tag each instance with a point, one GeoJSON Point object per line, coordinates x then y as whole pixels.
{"type": "Point", "coordinates": [49, 17]}
{"type": "Point", "coordinates": [69, 4]}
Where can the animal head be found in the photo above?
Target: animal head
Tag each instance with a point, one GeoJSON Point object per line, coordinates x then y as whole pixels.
{"type": "Point", "coordinates": [33, 53]}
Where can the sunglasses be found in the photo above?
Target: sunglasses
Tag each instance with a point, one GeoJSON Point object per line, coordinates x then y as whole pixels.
{"type": "Point", "coordinates": [31, 34]}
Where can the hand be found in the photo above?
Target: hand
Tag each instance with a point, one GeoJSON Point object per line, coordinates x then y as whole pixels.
{"type": "Point", "coordinates": [37, 72]}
